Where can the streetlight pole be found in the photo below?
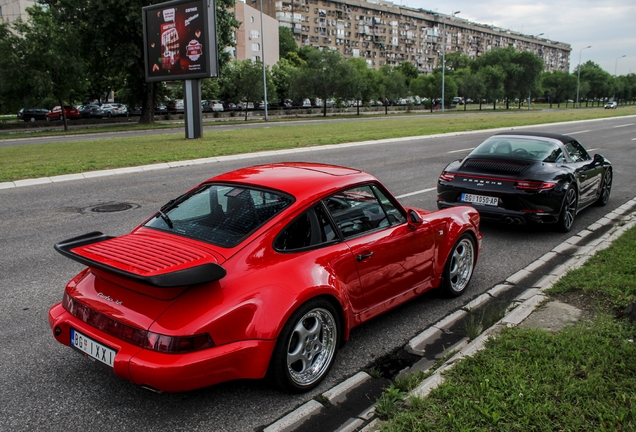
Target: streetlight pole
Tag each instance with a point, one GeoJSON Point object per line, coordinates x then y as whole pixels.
{"type": "Point", "coordinates": [263, 62]}
{"type": "Point", "coordinates": [444, 59]}
{"type": "Point", "coordinates": [530, 91]}
{"type": "Point", "coordinates": [578, 80]}
{"type": "Point", "coordinates": [616, 63]}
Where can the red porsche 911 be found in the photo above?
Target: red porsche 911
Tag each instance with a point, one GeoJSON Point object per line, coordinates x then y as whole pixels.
{"type": "Point", "coordinates": [258, 272]}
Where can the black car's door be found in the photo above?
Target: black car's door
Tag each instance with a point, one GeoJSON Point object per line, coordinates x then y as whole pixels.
{"type": "Point", "coordinates": [588, 174]}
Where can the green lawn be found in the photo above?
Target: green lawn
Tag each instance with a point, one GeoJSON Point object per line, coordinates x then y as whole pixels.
{"type": "Point", "coordinates": [581, 379]}
{"type": "Point", "coordinates": [44, 160]}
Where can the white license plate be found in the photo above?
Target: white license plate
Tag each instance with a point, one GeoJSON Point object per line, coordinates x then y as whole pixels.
{"type": "Point", "coordinates": [480, 199]}
{"type": "Point", "coordinates": [92, 348]}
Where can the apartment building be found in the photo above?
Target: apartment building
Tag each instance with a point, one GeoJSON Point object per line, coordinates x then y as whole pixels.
{"type": "Point", "coordinates": [250, 43]}
{"type": "Point", "coordinates": [382, 32]}
{"type": "Point", "coordinates": [11, 10]}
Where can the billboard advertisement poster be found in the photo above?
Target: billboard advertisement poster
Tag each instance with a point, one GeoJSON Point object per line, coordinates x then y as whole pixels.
{"type": "Point", "coordinates": [180, 40]}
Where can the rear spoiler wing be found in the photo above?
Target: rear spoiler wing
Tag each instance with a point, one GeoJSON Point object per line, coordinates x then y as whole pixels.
{"type": "Point", "coordinates": [200, 274]}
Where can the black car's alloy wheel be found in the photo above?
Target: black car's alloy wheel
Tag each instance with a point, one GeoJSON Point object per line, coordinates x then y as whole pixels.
{"type": "Point", "coordinates": [606, 188]}
{"type": "Point", "coordinates": [306, 348]}
{"type": "Point", "coordinates": [568, 210]}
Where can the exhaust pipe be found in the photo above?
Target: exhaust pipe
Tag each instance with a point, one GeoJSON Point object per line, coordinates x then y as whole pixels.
{"type": "Point", "coordinates": [509, 220]}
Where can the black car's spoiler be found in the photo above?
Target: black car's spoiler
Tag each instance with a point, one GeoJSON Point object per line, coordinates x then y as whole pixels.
{"type": "Point", "coordinates": [203, 273]}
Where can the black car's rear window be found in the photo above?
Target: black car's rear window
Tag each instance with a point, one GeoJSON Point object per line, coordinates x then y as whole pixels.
{"type": "Point", "coordinates": [220, 214]}
{"type": "Point", "coordinates": [530, 148]}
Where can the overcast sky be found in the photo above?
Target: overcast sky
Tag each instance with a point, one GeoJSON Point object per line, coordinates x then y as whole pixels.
{"type": "Point", "coordinates": [609, 26]}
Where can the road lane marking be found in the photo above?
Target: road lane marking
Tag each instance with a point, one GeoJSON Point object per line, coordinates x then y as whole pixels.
{"type": "Point", "coordinates": [415, 193]}
{"type": "Point", "coordinates": [574, 133]}
{"type": "Point", "coordinates": [462, 150]}
{"type": "Point", "coordinates": [625, 125]}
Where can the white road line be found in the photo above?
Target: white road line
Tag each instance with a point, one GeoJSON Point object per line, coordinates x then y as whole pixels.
{"type": "Point", "coordinates": [633, 139]}
{"type": "Point", "coordinates": [415, 193]}
{"type": "Point", "coordinates": [591, 150]}
{"type": "Point", "coordinates": [574, 133]}
{"type": "Point", "coordinates": [462, 150]}
{"type": "Point", "coordinates": [625, 125]}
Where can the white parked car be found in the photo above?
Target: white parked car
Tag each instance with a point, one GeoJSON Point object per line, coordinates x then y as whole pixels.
{"type": "Point", "coordinates": [611, 105]}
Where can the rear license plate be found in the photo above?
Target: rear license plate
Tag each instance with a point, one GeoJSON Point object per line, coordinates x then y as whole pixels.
{"type": "Point", "coordinates": [92, 349]}
{"type": "Point", "coordinates": [480, 199]}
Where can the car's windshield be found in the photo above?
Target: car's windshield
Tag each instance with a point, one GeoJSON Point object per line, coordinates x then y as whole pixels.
{"type": "Point", "coordinates": [531, 148]}
{"type": "Point", "coordinates": [220, 214]}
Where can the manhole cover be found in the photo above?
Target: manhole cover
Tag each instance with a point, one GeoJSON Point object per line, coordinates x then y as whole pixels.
{"type": "Point", "coordinates": [110, 208]}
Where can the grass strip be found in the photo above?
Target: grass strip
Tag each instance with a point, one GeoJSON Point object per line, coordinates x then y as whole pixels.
{"type": "Point", "coordinates": [44, 160]}
{"type": "Point", "coordinates": [582, 378]}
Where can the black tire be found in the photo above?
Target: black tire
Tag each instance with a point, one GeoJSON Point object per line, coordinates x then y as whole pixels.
{"type": "Point", "coordinates": [306, 347]}
{"type": "Point", "coordinates": [459, 266]}
{"type": "Point", "coordinates": [568, 210]}
{"type": "Point", "coordinates": [606, 188]}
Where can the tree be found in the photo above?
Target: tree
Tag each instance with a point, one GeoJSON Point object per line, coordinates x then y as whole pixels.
{"type": "Point", "coordinates": [286, 42]}
{"type": "Point", "coordinates": [456, 61]}
{"type": "Point", "coordinates": [470, 85]}
{"type": "Point", "coordinates": [493, 79]}
{"type": "Point", "coordinates": [242, 80]}
{"type": "Point", "coordinates": [323, 76]}
{"type": "Point", "coordinates": [392, 84]}
{"type": "Point", "coordinates": [599, 81]}
{"type": "Point", "coordinates": [520, 70]}
{"type": "Point", "coordinates": [408, 71]}
{"type": "Point", "coordinates": [361, 81]}
{"type": "Point", "coordinates": [283, 73]}
{"type": "Point", "coordinates": [47, 50]}
{"type": "Point", "coordinates": [423, 86]}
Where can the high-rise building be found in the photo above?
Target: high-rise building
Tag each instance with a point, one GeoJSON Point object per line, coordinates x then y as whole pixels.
{"type": "Point", "coordinates": [250, 43]}
{"type": "Point", "coordinates": [382, 32]}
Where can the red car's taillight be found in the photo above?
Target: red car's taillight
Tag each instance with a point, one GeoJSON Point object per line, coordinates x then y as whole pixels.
{"type": "Point", "coordinates": [136, 336]}
{"type": "Point", "coordinates": [533, 185]}
{"type": "Point", "coordinates": [447, 176]}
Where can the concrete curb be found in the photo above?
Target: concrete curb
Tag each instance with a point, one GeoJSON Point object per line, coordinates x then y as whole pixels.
{"type": "Point", "coordinates": [521, 308]}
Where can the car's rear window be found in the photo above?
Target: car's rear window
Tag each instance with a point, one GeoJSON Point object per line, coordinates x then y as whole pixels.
{"type": "Point", "coordinates": [220, 214]}
{"type": "Point", "coordinates": [519, 147]}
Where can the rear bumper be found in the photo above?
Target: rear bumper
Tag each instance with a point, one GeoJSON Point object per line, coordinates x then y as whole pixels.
{"type": "Point", "coordinates": [502, 215]}
{"type": "Point", "coordinates": [247, 359]}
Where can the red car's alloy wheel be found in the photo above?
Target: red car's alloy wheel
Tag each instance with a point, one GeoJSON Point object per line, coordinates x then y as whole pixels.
{"type": "Point", "coordinates": [307, 346]}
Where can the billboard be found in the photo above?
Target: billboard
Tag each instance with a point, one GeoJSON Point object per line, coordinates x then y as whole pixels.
{"type": "Point", "coordinates": [180, 40]}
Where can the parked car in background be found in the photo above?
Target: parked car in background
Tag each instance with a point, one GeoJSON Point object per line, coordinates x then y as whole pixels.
{"type": "Point", "coordinates": [135, 111]}
{"type": "Point", "coordinates": [176, 107]}
{"type": "Point", "coordinates": [32, 114]}
{"type": "Point", "coordinates": [229, 106]}
{"type": "Point", "coordinates": [161, 109]}
{"type": "Point", "coordinates": [91, 111]}
{"type": "Point", "coordinates": [115, 110]}
{"type": "Point", "coordinates": [56, 113]}
{"type": "Point", "coordinates": [611, 105]}
{"type": "Point", "coordinates": [212, 105]}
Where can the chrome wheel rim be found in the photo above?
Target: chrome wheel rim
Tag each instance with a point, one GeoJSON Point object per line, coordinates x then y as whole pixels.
{"type": "Point", "coordinates": [607, 186]}
{"type": "Point", "coordinates": [311, 347]}
{"type": "Point", "coordinates": [569, 208]}
{"type": "Point", "coordinates": [461, 265]}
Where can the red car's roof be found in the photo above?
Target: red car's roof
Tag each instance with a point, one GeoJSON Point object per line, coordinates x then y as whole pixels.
{"type": "Point", "coordinates": [300, 179]}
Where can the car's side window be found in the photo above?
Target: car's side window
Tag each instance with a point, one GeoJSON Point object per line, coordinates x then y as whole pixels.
{"type": "Point", "coordinates": [394, 214]}
{"type": "Point", "coordinates": [356, 211]}
{"type": "Point", "coordinates": [577, 152]}
{"type": "Point", "coordinates": [311, 229]}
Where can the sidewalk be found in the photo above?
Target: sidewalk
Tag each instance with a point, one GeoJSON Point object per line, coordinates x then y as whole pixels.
{"type": "Point", "coordinates": [346, 407]}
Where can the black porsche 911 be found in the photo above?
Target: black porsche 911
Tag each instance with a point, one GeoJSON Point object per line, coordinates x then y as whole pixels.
{"type": "Point", "coordinates": [520, 177]}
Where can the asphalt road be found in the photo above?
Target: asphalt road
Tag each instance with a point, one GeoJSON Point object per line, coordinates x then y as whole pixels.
{"type": "Point", "coordinates": [46, 386]}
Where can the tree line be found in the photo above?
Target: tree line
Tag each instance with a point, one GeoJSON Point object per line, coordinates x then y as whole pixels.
{"type": "Point", "coordinates": [71, 51]}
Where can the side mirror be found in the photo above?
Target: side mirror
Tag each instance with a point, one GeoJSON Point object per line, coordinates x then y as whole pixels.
{"type": "Point", "coordinates": [598, 159]}
{"type": "Point", "coordinates": [414, 218]}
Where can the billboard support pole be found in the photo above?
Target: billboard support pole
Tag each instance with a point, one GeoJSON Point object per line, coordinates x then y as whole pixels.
{"type": "Point", "coordinates": [192, 108]}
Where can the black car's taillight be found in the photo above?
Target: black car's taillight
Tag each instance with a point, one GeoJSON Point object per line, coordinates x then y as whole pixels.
{"type": "Point", "coordinates": [447, 176]}
{"type": "Point", "coordinates": [533, 185]}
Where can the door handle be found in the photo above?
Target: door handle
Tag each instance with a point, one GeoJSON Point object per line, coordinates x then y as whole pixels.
{"type": "Point", "coordinates": [364, 256]}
